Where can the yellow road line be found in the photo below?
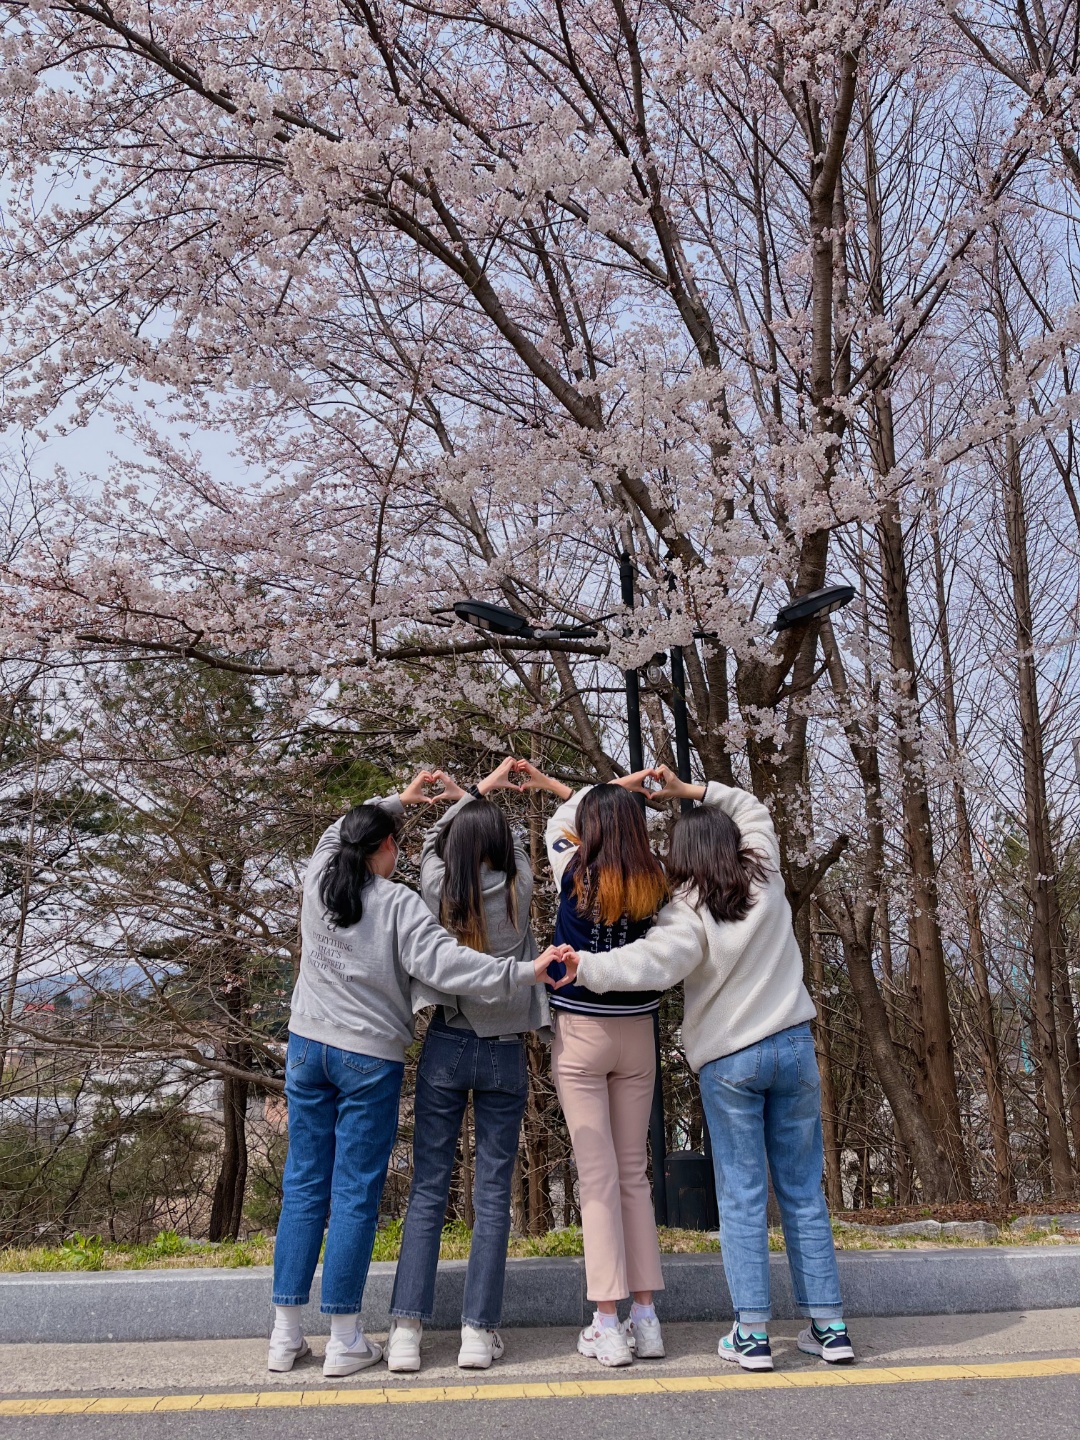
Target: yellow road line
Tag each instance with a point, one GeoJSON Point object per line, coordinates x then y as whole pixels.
{"type": "Point", "coordinates": [632, 1384]}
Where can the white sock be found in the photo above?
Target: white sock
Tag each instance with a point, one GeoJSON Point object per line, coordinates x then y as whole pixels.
{"type": "Point", "coordinates": [287, 1321]}
{"type": "Point", "coordinates": [642, 1312]}
{"type": "Point", "coordinates": [605, 1319]}
{"type": "Point", "coordinates": [407, 1322]}
{"type": "Point", "coordinates": [344, 1327]}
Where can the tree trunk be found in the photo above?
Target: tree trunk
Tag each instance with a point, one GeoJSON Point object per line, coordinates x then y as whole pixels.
{"type": "Point", "coordinates": [467, 1172]}
{"type": "Point", "coordinates": [988, 1039]}
{"type": "Point", "coordinates": [1066, 1009]}
{"type": "Point", "coordinates": [928, 977]}
{"type": "Point", "coordinates": [1042, 871]}
{"type": "Point", "coordinates": [834, 1189]}
{"type": "Point", "coordinates": [932, 1166]}
{"type": "Point", "coordinates": [536, 1147]}
{"type": "Point", "coordinates": [228, 1205]}
{"type": "Point", "coordinates": [855, 926]}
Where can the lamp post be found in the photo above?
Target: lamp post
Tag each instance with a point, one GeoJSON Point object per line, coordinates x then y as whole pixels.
{"type": "Point", "coordinates": [657, 1118]}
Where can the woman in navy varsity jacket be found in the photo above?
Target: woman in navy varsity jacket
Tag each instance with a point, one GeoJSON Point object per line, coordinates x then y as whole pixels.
{"type": "Point", "coordinates": [603, 1058]}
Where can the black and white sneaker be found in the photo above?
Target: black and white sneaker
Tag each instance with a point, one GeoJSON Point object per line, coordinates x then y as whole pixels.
{"type": "Point", "coordinates": [830, 1342]}
{"type": "Point", "coordinates": [750, 1349]}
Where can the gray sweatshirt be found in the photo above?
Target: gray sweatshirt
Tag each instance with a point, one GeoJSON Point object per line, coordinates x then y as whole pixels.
{"type": "Point", "coordinates": [353, 988]}
{"type": "Point", "coordinates": [528, 1009]}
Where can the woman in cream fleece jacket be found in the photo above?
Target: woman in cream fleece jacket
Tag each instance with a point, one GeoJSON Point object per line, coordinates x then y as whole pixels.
{"type": "Point", "coordinates": [727, 933]}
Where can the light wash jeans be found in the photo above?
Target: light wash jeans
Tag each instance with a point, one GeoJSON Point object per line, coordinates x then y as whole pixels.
{"type": "Point", "coordinates": [343, 1115]}
{"type": "Point", "coordinates": [763, 1105]}
{"type": "Point", "coordinates": [453, 1063]}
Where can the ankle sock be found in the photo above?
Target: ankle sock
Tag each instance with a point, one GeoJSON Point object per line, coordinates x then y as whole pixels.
{"type": "Point", "coordinates": [605, 1320]}
{"type": "Point", "coordinates": [642, 1312]}
{"type": "Point", "coordinates": [287, 1321]}
{"type": "Point", "coordinates": [756, 1332]}
{"type": "Point", "coordinates": [344, 1327]}
{"type": "Point", "coordinates": [407, 1322]}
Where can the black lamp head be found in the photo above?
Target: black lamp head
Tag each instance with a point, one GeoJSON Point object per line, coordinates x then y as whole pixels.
{"type": "Point", "coordinates": [495, 618]}
{"type": "Point", "coordinates": [818, 602]}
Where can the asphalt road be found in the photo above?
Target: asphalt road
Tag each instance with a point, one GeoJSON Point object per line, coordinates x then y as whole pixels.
{"type": "Point", "coordinates": [931, 1379]}
{"type": "Point", "coordinates": [941, 1410]}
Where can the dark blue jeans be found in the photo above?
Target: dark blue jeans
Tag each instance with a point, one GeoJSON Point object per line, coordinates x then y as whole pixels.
{"type": "Point", "coordinates": [764, 1110]}
{"type": "Point", "coordinates": [452, 1063]}
{"type": "Point", "coordinates": [343, 1115]}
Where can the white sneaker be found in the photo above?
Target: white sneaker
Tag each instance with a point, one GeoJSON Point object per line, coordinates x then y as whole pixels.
{"type": "Point", "coordinates": [285, 1349]}
{"type": "Point", "coordinates": [345, 1358]}
{"type": "Point", "coordinates": [403, 1346]}
{"type": "Point", "coordinates": [752, 1351]}
{"type": "Point", "coordinates": [479, 1348]}
{"type": "Point", "coordinates": [644, 1338]}
{"type": "Point", "coordinates": [606, 1343]}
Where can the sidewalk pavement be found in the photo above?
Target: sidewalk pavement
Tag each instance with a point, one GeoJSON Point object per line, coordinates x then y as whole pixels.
{"type": "Point", "coordinates": [534, 1355]}
{"type": "Point", "coordinates": [988, 1376]}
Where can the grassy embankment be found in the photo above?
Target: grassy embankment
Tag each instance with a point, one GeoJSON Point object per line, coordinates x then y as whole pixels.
{"type": "Point", "coordinates": [172, 1251]}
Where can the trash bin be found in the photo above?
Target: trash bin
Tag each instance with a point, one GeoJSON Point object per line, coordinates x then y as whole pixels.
{"type": "Point", "coordinates": [691, 1191]}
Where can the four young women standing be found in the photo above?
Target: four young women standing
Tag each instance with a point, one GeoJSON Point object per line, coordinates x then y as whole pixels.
{"type": "Point", "coordinates": [374, 953]}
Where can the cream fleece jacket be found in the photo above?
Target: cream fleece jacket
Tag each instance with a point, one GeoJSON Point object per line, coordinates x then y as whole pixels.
{"type": "Point", "coordinates": [744, 978]}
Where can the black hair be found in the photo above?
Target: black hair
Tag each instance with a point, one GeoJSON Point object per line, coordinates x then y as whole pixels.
{"type": "Point", "coordinates": [707, 854]}
{"type": "Point", "coordinates": [478, 833]}
{"type": "Point", "coordinates": [347, 874]}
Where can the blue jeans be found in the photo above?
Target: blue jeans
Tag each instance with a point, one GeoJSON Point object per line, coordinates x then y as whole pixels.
{"type": "Point", "coordinates": [763, 1105]}
{"type": "Point", "coordinates": [452, 1063]}
{"type": "Point", "coordinates": [343, 1114]}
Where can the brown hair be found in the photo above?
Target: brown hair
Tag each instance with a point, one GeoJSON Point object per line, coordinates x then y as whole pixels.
{"type": "Point", "coordinates": [708, 855]}
{"type": "Point", "coordinates": [477, 834]}
{"type": "Point", "coordinates": [615, 872]}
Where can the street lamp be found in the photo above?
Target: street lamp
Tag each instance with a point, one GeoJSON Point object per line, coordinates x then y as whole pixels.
{"type": "Point", "coordinates": [498, 620]}
{"type": "Point", "coordinates": [818, 602]}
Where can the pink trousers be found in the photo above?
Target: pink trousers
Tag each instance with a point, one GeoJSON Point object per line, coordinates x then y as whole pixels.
{"type": "Point", "coordinates": [603, 1067]}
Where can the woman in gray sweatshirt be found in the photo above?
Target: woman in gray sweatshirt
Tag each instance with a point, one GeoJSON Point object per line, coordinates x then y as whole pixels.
{"type": "Point", "coordinates": [476, 877]}
{"type": "Point", "coordinates": [364, 940]}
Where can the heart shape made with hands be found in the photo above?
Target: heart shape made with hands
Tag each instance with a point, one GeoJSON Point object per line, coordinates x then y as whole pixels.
{"type": "Point", "coordinates": [516, 767]}
{"type": "Point", "coordinates": [561, 968]}
{"type": "Point", "coordinates": [431, 779]}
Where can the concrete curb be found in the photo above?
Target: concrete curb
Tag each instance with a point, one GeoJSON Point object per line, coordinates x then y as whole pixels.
{"type": "Point", "coordinates": [235, 1304]}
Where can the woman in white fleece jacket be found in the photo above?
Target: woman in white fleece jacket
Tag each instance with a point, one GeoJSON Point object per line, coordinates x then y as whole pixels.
{"type": "Point", "coordinates": [727, 934]}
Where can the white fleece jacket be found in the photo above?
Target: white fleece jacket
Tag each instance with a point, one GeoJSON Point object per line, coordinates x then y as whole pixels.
{"type": "Point", "coordinates": [743, 978]}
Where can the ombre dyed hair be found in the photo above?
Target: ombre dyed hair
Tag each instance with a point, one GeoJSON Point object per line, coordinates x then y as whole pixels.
{"type": "Point", "coordinates": [615, 872]}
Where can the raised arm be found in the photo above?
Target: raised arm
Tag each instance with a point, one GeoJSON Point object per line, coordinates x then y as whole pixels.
{"type": "Point", "coordinates": [560, 847]}
{"type": "Point", "coordinates": [673, 949]}
{"type": "Point", "coordinates": [432, 867]}
{"type": "Point", "coordinates": [750, 815]}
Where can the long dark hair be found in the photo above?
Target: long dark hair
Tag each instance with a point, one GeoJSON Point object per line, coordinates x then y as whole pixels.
{"type": "Point", "coordinates": [478, 834]}
{"type": "Point", "coordinates": [615, 872]}
{"type": "Point", "coordinates": [347, 876]}
{"type": "Point", "coordinates": [708, 855]}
